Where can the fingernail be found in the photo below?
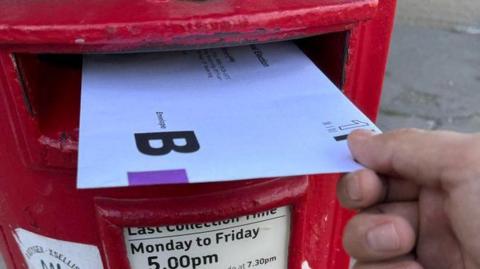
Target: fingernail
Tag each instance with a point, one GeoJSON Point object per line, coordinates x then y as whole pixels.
{"type": "Point", "coordinates": [352, 188]}
{"type": "Point", "coordinates": [361, 134]}
{"type": "Point", "coordinates": [383, 238]}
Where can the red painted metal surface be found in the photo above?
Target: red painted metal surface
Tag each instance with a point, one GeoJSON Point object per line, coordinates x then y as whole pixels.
{"type": "Point", "coordinates": [39, 108]}
{"type": "Point", "coordinates": [122, 24]}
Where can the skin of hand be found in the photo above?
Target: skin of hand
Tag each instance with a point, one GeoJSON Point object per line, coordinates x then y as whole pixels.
{"type": "Point", "coordinates": [418, 200]}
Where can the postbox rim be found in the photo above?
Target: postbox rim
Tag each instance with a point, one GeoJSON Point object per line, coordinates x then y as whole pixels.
{"type": "Point", "coordinates": [172, 23]}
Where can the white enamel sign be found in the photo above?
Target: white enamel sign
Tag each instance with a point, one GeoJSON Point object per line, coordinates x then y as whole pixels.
{"type": "Point", "coordinates": [257, 241]}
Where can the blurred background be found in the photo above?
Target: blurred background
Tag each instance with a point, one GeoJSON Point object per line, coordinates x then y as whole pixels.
{"type": "Point", "coordinates": [433, 74]}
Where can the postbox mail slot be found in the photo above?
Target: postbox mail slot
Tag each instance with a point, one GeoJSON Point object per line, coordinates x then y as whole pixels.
{"type": "Point", "coordinates": [50, 84]}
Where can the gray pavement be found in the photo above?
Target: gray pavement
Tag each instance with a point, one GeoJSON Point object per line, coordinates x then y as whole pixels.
{"type": "Point", "coordinates": [440, 13]}
{"type": "Point", "coordinates": [432, 82]}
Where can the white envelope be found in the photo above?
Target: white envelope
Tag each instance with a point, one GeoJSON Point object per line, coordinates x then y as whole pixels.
{"type": "Point", "coordinates": [211, 115]}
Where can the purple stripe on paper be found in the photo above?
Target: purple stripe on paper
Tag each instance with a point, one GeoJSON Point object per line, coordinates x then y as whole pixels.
{"type": "Point", "coordinates": [157, 177]}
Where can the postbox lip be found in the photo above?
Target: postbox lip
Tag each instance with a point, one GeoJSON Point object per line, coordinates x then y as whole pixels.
{"type": "Point", "coordinates": [232, 21]}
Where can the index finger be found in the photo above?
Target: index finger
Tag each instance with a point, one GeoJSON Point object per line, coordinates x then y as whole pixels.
{"type": "Point", "coordinates": [426, 157]}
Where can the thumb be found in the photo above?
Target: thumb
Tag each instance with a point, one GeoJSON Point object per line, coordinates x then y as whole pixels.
{"type": "Point", "coordinates": [429, 158]}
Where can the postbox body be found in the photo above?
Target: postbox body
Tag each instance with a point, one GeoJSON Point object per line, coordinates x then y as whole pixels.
{"type": "Point", "coordinates": [41, 47]}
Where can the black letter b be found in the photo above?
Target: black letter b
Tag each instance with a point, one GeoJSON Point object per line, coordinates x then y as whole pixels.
{"type": "Point", "coordinates": [143, 142]}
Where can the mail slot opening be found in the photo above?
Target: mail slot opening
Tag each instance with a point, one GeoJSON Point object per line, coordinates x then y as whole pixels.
{"type": "Point", "coordinates": [51, 86]}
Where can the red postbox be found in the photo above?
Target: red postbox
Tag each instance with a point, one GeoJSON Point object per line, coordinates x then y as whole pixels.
{"type": "Point", "coordinates": [42, 214]}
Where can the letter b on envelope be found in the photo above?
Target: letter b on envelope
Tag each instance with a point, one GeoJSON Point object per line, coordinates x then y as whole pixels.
{"type": "Point", "coordinates": [168, 142]}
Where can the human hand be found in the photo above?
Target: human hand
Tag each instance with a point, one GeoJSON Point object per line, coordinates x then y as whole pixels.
{"type": "Point", "coordinates": [418, 200]}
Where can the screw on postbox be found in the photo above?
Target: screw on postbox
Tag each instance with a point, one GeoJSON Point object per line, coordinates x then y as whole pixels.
{"type": "Point", "coordinates": [45, 222]}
